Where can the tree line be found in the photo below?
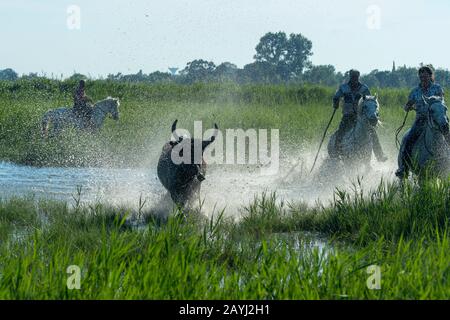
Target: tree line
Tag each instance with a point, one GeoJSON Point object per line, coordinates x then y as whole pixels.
{"type": "Point", "coordinates": [279, 59]}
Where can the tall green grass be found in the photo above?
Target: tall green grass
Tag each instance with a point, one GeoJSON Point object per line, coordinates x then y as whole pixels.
{"type": "Point", "coordinates": [404, 232]}
{"type": "Point", "coordinates": [268, 254]}
{"type": "Point", "coordinates": [147, 111]}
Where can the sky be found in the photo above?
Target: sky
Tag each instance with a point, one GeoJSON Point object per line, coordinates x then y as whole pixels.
{"type": "Point", "coordinates": [109, 36]}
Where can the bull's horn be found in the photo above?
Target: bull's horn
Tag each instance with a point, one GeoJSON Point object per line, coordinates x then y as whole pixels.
{"type": "Point", "coordinates": [213, 137]}
{"type": "Point", "coordinates": [174, 128]}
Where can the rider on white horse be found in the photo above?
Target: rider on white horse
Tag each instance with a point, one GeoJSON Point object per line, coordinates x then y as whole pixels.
{"type": "Point", "coordinates": [427, 88]}
{"type": "Point", "coordinates": [81, 104]}
{"type": "Point", "coordinates": [352, 92]}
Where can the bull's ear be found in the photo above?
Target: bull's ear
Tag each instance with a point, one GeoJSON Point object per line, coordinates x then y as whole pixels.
{"type": "Point", "coordinates": [364, 97]}
{"type": "Point", "coordinates": [215, 132]}
{"type": "Point", "coordinates": [206, 143]}
{"type": "Point", "coordinates": [174, 128]}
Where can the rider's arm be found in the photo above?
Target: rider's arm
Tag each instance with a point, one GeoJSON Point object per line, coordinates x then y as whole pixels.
{"type": "Point", "coordinates": [441, 92]}
{"type": "Point", "coordinates": [337, 97]}
{"type": "Point", "coordinates": [366, 91]}
{"type": "Point", "coordinates": [411, 101]}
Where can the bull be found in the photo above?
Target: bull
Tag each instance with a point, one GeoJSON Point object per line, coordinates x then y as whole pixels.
{"type": "Point", "coordinates": [183, 180]}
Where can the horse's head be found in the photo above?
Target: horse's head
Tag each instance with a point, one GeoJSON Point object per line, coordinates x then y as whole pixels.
{"type": "Point", "coordinates": [368, 109]}
{"type": "Point", "coordinates": [114, 103]}
{"type": "Point", "coordinates": [110, 105]}
{"type": "Point", "coordinates": [437, 111]}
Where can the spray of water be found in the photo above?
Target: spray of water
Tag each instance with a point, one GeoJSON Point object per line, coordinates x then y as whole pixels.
{"type": "Point", "coordinates": [228, 187]}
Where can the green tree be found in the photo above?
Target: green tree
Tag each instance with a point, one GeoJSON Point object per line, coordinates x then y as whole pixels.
{"type": "Point", "coordinates": [323, 75]}
{"type": "Point", "coordinates": [8, 74]}
{"type": "Point", "coordinates": [77, 77]}
{"type": "Point", "coordinates": [290, 56]}
{"type": "Point", "coordinates": [259, 72]}
{"type": "Point", "coordinates": [226, 72]}
{"type": "Point", "coordinates": [198, 70]}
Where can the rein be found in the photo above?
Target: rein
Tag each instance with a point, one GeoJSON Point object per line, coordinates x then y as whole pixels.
{"type": "Point", "coordinates": [397, 132]}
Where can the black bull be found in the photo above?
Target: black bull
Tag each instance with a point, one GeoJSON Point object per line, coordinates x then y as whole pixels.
{"type": "Point", "coordinates": [182, 180]}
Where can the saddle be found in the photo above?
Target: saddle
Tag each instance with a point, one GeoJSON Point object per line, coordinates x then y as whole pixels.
{"type": "Point", "coordinates": [84, 113]}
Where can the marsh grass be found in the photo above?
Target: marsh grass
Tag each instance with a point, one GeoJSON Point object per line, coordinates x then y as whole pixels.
{"type": "Point", "coordinates": [147, 111]}
{"type": "Point", "coordinates": [268, 254]}
{"type": "Point", "coordinates": [404, 231]}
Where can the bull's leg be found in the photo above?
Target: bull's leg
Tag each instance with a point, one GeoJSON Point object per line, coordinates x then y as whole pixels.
{"type": "Point", "coordinates": [178, 198]}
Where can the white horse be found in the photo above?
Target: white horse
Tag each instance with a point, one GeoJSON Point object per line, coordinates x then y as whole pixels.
{"type": "Point", "coordinates": [63, 117]}
{"type": "Point", "coordinates": [356, 144]}
{"type": "Point", "coordinates": [431, 150]}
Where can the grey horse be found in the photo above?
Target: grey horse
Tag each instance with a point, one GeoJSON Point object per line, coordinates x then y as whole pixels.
{"type": "Point", "coordinates": [356, 143]}
{"type": "Point", "coordinates": [63, 117]}
{"type": "Point", "coordinates": [183, 180]}
{"type": "Point", "coordinates": [431, 150]}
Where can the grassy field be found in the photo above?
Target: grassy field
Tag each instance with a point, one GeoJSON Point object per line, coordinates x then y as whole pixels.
{"type": "Point", "coordinates": [266, 255]}
{"type": "Point", "coordinates": [147, 112]}
{"type": "Point", "coordinates": [276, 251]}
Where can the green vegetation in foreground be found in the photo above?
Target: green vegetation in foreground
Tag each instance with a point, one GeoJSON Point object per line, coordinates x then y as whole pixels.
{"type": "Point", "coordinates": [263, 256]}
{"type": "Point", "coordinates": [147, 112]}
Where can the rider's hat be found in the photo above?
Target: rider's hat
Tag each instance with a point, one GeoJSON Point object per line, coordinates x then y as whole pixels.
{"type": "Point", "coordinates": [354, 72]}
{"type": "Point", "coordinates": [428, 69]}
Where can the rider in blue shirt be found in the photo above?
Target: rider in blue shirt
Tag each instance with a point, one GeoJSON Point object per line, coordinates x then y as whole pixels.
{"type": "Point", "coordinates": [426, 88]}
{"type": "Point", "coordinates": [352, 92]}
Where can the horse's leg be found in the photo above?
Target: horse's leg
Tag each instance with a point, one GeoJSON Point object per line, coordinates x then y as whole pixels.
{"type": "Point", "coordinates": [367, 168]}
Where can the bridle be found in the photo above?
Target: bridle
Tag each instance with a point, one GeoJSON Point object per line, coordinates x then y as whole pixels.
{"type": "Point", "coordinates": [361, 109]}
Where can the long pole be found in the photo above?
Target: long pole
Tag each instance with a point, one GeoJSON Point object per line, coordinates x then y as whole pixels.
{"type": "Point", "coordinates": [397, 132]}
{"type": "Point", "coordinates": [323, 138]}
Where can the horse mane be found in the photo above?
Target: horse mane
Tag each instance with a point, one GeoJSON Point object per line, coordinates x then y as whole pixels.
{"type": "Point", "coordinates": [362, 100]}
{"type": "Point", "coordinates": [434, 99]}
{"type": "Point", "coordinates": [109, 98]}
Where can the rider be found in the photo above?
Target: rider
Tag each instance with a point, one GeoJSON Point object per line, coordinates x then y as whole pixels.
{"type": "Point", "coordinates": [81, 107]}
{"type": "Point", "coordinates": [426, 88]}
{"type": "Point", "coordinates": [352, 92]}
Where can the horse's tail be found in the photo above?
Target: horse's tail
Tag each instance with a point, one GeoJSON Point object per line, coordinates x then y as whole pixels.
{"type": "Point", "coordinates": [44, 125]}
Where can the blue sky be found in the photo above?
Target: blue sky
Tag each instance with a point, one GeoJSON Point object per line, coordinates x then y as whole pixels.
{"type": "Point", "coordinates": [126, 36]}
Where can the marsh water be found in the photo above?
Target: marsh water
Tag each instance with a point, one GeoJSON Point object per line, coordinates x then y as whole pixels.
{"type": "Point", "coordinates": [115, 186]}
{"type": "Point", "coordinates": [230, 190]}
{"type": "Point", "coordinates": [224, 188]}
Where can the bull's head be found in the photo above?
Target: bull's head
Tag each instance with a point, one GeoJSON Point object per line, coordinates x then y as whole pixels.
{"type": "Point", "coordinates": [205, 143]}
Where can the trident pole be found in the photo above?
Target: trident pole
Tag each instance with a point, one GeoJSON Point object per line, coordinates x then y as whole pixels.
{"type": "Point", "coordinates": [323, 138]}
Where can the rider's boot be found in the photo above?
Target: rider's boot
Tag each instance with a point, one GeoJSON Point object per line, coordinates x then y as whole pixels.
{"type": "Point", "coordinates": [406, 153]}
{"type": "Point", "coordinates": [347, 122]}
{"type": "Point", "coordinates": [401, 173]}
{"type": "Point", "coordinates": [447, 137]}
{"type": "Point", "coordinates": [403, 163]}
